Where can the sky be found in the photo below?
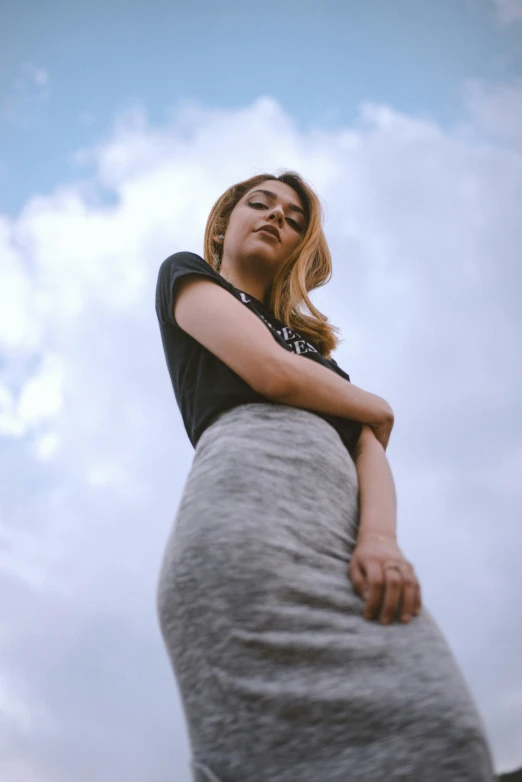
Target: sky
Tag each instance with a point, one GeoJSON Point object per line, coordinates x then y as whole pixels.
{"type": "Point", "coordinates": [120, 126]}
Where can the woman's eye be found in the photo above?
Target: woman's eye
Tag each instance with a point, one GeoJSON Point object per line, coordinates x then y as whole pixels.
{"type": "Point", "coordinates": [293, 223]}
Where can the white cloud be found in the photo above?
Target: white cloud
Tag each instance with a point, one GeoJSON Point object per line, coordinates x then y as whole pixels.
{"type": "Point", "coordinates": [26, 92]}
{"type": "Point", "coordinates": [38, 76]}
{"type": "Point", "coordinates": [496, 110]}
{"type": "Point", "coordinates": [509, 10]}
{"type": "Point", "coordinates": [425, 231]}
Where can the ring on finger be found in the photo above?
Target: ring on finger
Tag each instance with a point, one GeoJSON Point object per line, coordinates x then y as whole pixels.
{"type": "Point", "coordinates": [391, 566]}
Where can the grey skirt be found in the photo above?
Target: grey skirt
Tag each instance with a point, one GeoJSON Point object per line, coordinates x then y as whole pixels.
{"type": "Point", "coordinates": [281, 677]}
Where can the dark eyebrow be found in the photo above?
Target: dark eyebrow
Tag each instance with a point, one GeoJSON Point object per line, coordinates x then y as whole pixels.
{"type": "Point", "coordinates": [273, 196]}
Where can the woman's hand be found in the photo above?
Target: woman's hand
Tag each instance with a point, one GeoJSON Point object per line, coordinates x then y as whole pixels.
{"type": "Point", "coordinates": [391, 591]}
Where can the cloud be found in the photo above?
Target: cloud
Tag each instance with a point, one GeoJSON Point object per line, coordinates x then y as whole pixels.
{"type": "Point", "coordinates": [425, 231]}
{"type": "Point", "coordinates": [496, 110]}
{"type": "Point", "coordinates": [509, 10]}
{"type": "Point", "coordinates": [27, 91]}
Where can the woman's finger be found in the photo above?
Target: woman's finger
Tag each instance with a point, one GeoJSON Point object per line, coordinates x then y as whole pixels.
{"type": "Point", "coordinates": [409, 596]}
{"type": "Point", "coordinates": [375, 585]}
{"type": "Point", "coordinates": [418, 600]}
{"type": "Point", "coordinates": [392, 594]}
{"type": "Point", "coordinates": [357, 576]}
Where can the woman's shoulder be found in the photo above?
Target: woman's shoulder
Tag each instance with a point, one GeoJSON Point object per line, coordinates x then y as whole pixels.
{"type": "Point", "coordinates": [185, 257]}
{"type": "Point", "coordinates": [184, 261]}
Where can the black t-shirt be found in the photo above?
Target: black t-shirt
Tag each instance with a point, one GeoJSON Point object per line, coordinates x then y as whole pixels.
{"type": "Point", "coordinates": [203, 385]}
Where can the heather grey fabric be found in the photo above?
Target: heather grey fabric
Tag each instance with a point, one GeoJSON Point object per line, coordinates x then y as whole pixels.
{"type": "Point", "coordinates": [281, 677]}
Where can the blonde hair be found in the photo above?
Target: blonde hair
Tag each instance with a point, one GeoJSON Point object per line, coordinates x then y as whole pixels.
{"type": "Point", "coordinates": [308, 267]}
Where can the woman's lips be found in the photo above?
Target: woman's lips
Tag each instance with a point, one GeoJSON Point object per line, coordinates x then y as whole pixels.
{"type": "Point", "coordinates": [267, 233]}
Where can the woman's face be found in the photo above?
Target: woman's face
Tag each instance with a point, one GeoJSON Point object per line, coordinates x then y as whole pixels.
{"type": "Point", "coordinates": [279, 206]}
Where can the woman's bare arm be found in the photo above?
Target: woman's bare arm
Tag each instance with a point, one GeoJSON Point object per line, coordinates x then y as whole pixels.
{"type": "Point", "coordinates": [378, 511]}
{"type": "Point", "coordinates": [305, 383]}
{"type": "Point", "coordinates": [223, 325]}
{"type": "Point", "coordinates": [391, 592]}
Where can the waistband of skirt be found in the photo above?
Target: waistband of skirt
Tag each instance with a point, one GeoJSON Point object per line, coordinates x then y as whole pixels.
{"type": "Point", "coordinates": [269, 416]}
{"type": "Point", "coordinates": [265, 411]}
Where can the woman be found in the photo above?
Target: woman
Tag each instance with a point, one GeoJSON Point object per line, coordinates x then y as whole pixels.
{"type": "Point", "coordinates": [292, 620]}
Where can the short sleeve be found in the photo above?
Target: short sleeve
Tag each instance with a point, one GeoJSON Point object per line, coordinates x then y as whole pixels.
{"type": "Point", "coordinates": [172, 269]}
{"type": "Point", "coordinates": [339, 370]}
